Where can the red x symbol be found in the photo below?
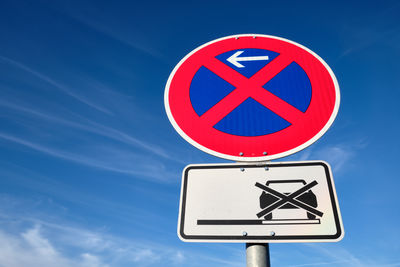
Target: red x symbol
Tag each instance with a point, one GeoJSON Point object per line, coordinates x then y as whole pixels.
{"type": "Point", "coordinates": [252, 87]}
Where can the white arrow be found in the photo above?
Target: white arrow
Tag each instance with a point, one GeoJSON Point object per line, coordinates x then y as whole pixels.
{"type": "Point", "coordinates": [235, 58]}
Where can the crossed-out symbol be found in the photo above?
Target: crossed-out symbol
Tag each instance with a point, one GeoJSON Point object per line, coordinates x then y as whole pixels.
{"type": "Point", "coordinates": [291, 198]}
{"type": "Point", "coordinates": [250, 87]}
{"type": "Point", "coordinates": [202, 131]}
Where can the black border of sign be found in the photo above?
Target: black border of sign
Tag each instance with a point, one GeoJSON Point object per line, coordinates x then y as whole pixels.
{"type": "Point", "coordinates": [239, 238]}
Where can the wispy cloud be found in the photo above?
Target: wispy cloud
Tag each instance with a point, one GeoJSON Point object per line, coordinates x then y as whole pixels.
{"type": "Point", "coordinates": [116, 32]}
{"type": "Point", "coordinates": [337, 155]}
{"type": "Point", "coordinates": [384, 25]}
{"type": "Point", "coordinates": [305, 154]}
{"type": "Point", "coordinates": [391, 264]}
{"type": "Point", "coordinates": [323, 263]}
{"type": "Point", "coordinates": [36, 242]}
{"type": "Point", "coordinates": [92, 127]}
{"type": "Point", "coordinates": [368, 37]}
{"type": "Point", "coordinates": [133, 213]}
{"type": "Point", "coordinates": [337, 256]}
{"type": "Point", "coordinates": [31, 248]}
{"type": "Point", "coordinates": [55, 84]}
{"type": "Point", "coordinates": [110, 159]}
{"type": "Point", "coordinates": [178, 257]}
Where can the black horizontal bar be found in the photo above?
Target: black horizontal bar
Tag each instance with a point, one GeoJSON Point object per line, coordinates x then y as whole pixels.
{"type": "Point", "coordinates": [228, 222]}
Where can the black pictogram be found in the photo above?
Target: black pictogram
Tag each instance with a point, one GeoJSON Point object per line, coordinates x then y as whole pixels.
{"type": "Point", "coordinates": [273, 199]}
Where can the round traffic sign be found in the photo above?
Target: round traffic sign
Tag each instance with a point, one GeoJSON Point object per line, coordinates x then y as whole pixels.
{"type": "Point", "coordinates": [251, 97]}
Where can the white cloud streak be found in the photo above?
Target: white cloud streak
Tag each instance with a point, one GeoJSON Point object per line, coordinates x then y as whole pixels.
{"type": "Point", "coordinates": [178, 257]}
{"type": "Point", "coordinates": [321, 263]}
{"type": "Point", "coordinates": [380, 30]}
{"type": "Point", "coordinates": [337, 155]}
{"type": "Point", "coordinates": [338, 256]}
{"type": "Point", "coordinates": [116, 32]}
{"type": "Point", "coordinates": [57, 85]}
{"type": "Point", "coordinates": [31, 248]}
{"type": "Point", "coordinates": [94, 127]}
{"type": "Point", "coordinates": [47, 244]}
{"type": "Point", "coordinates": [110, 159]}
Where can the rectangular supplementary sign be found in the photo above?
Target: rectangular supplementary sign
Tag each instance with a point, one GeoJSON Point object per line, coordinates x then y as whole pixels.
{"type": "Point", "coordinates": [269, 202]}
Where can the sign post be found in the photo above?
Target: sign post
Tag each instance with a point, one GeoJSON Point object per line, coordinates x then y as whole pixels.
{"type": "Point", "coordinates": [255, 98]}
{"type": "Point", "coordinates": [257, 255]}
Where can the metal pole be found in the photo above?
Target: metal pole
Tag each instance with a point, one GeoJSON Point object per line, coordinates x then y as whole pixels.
{"type": "Point", "coordinates": [257, 255]}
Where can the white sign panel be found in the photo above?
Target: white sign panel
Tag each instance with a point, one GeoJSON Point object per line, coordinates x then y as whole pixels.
{"type": "Point", "coordinates": [273, 202]}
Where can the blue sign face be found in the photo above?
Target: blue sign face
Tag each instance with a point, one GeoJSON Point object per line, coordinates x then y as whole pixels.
{"type": "Point", "coordinates": [250, 118]}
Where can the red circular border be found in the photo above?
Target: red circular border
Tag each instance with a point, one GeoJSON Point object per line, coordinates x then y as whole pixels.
{"type": "Point", "coordinates": [315, 118]}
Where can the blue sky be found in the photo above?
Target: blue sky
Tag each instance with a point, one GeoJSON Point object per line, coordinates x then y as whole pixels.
{"type": "Point", "coordinates": [90, 166]}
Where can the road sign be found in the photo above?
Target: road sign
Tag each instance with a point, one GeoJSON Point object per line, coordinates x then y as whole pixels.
{"type": "Point", "coordinates": [251, 97]}
{"type": "Point", "coordinates": [283, 202]}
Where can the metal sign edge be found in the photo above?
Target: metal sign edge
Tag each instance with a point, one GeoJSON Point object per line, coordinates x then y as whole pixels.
{"type": "Point", "coordinates": [238, 239]}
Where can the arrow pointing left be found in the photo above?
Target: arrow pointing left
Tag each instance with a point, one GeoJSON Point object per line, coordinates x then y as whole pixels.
{"type": "Point", "coordinates": [234, 59]}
